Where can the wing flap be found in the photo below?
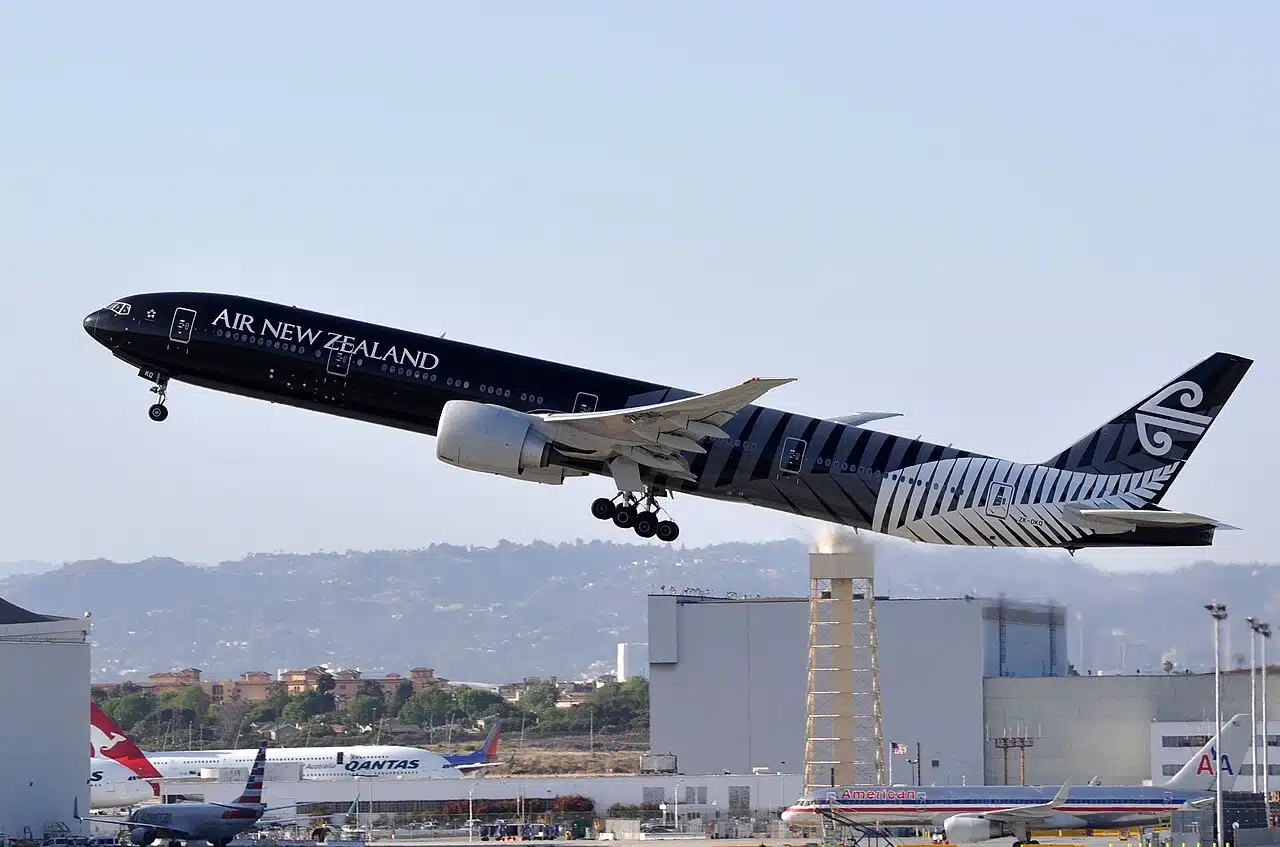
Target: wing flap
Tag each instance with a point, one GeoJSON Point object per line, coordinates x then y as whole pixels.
{"type": "Point", "coordinates": [859, 418]}
{"type": "Point", "coordinates": [1040, 811]}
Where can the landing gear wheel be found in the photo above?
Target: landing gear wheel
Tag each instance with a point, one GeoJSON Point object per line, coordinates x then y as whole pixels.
{"type": "Point", "coordinates": [668, 531]}
{"type": "Point", "coordinates": [624, 516]}
{"type": "Point", "coordinates": [157, 412]}
{"type": "Point", "coordinates": [646, 524]}
{"type": "Point", "coordinates": [603, 508]}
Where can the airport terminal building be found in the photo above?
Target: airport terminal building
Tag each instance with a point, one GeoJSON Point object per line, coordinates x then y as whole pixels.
{"type": "Point", "coordinates": [728, 678]}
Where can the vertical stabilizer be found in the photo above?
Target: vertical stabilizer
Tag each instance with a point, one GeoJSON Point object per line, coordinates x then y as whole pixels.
{"type": "Point", "coordinates": [1199, 772]}
{"type": "Point", "coordinates": [1163, 429]}
{"type": "Point", "coordinates": [107, 740]}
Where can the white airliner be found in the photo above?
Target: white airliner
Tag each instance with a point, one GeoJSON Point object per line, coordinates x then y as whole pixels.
{"type": "Point", "coordinates": [112, 785]}
{"type": "Point", "coordinates": [111, 742]}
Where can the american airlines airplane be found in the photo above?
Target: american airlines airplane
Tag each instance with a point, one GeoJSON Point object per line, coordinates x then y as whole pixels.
{"type": "Point", "coordinates": [528, 419]}
{"type": "Point", "coordinates": [975, 813]}
{"type": "Point", "coordinates": [217, 823]}
{"type": "Point", "coordinates": [111, 742]}
{"type": "Point", "coordinates": [113, 785]}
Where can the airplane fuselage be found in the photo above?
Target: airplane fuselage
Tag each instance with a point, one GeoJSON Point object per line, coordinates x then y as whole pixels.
{"type": "Point", "coordinates": [316, 762]}
{"type": "Point", "coordinates": [1086, 806]}
{"type": "Point", "coordinates": [818, 468]}
{"type": "Point", "coordinates": [114, 786]}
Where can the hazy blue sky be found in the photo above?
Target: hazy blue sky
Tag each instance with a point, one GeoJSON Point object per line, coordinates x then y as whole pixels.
{"type": "Point", "coordinates": [1008, 221]}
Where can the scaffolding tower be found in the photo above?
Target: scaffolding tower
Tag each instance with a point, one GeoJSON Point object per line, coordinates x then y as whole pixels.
{"type": "Point", "coordinates": [844, 726]}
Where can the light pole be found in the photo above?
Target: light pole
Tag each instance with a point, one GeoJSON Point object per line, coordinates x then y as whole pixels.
{"type": "Point", "coordinates": [1219, 613]}
{"type": "Point", "coordinates": [471, 812]}
{"type": "Point", "coordinates": [1264, 630]}
{"type": "Point", "coordinates": [1253, 701]}
{"type": "Point", "coordinates": [677, 821]}
{"type": "Point", "coordinates": [782, 792]}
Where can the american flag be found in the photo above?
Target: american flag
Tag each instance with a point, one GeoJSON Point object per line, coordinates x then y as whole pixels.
{"type": "Point", "coordinates": [898, 749]}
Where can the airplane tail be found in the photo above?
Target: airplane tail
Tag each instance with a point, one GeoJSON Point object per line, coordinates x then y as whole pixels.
{"type": "Point", "coordinates": [489, 749]}
{"type": "Point", "coordinates": [252, 794]}
{"type": "Point", "coordinates": [1163, 430]}
{"type": "Point", "coordinates": [109, 741]}
{"type": "Point", "coordinates": [1199, 773]}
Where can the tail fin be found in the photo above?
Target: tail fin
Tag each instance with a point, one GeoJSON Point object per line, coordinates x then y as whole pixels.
{"type": "Point", "coordinates": [1199, 772]}
{"type": "Point", "coordinates": [1163, 429]}
{"type": "Point", "coordinates": [109, 741]}
{"type": "Point", "coordinates": [490, 746]}
{"type": "Point", "coordinates": [253, 786]}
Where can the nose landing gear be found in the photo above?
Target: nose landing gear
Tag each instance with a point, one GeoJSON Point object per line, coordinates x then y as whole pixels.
{"type": "Point", "coordinates": [158, 410]}
{"type": "Point", "coordinates": [641, 514]}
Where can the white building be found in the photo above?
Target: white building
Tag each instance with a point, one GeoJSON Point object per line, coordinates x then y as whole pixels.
{"type": "Point", "coordinates": [633, 660]}
{"type": "Point", "coordinates": [727, 678]}
{"type": "Point", "coordinates": [1173, 741]}
{"type": "Point", "coordinates": [1113, 726]}
{"type": "Point", "coordinates": [45, 731]}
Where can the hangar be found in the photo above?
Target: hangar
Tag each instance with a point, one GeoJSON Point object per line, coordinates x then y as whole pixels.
{"type": "Point", "coordinates": [44, 661]}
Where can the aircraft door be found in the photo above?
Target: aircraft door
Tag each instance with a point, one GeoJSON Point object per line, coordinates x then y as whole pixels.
{"type": "Point", "coordinates": [791, 457]}
{"type": "Point", "coordinates": [585, 402]}
{"type": "Point", "coordinates": [184, 321]}
{"type": "Point", "coordinates": [339, 363]}
{"type": "Point", "coordinates": [1168, 798]}
{"type": "Point", "coordinates": [999, 495]}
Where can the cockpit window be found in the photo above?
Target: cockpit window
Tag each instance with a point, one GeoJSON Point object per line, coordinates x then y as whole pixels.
{"type": "Point", "coordinates": [120, 308]}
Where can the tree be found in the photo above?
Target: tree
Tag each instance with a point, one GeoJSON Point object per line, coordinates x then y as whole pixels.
{"type": "Point", "coordinates": [371, 688]}
{"type": "Point", "coordinates": [128, 710]}
{"type": "Point", "coordinates": [307, 706]}
{"type": "Point", "coordinates": [364, 709]}
{"type": "Point", "coordinates": [326, 683]}
{"type": "Point", "coordinates": [539, 697]}
{"type": "Point", "coordinates": [432, 705]}
{"type": "Point", "coordinates": [476, 703]}
{"type": "Point", "coordinates": [403, 692]}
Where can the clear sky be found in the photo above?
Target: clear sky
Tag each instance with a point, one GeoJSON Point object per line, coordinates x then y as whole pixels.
{"type": "Point", "coordinates": [1007, 221]}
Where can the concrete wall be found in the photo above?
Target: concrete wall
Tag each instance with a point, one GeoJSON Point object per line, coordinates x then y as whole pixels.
{"type": "Point", "coordinates": [45, 728]}
{"type": "Point", "coordinates": [727, 682]}
{"type": "Point", "coordinates": [1100, 725]}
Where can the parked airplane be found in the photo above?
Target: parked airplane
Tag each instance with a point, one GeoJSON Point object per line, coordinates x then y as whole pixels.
{"type": "Point", "coordinates": [317, 762]}
{"type": "Point", "coordinates": [112, 785]}
{"type": "Point", "coordinates": [217, 823]}
{"type": "Point", "coordinates": [539, 421]}
{"type": "Point", "coordinates": [485, 756]}
{"type": "Point", "coordinates": [974, 813]}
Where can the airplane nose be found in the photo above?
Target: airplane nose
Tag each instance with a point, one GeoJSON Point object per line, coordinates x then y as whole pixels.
{"type": "Point", "coordinates": [91, 323]}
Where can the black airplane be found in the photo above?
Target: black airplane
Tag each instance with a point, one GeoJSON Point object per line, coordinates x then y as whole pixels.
{"type": "Point", "coordinates": [539, 421]}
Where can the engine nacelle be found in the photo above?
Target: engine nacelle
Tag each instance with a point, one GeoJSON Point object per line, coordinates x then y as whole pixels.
{"type": "Point", "coordinates": [967, 829]}
{"type": "Point", "coordinates": [496, 440]}
{"type": "Point", "coordinates": [142, 835]}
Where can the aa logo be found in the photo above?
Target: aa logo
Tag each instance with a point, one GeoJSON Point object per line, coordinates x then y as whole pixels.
{"type": "Point", "coordinates": [1206, 765]}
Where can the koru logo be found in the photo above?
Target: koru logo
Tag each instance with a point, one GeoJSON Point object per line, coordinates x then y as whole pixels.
{"type": "Point", "coordinates": [1155, 420]}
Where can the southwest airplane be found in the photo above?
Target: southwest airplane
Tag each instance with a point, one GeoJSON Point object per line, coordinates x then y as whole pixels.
{"type": "Point", "coordinates": [217, 823]}
{"type": "Point", "coordinates": [538, 421]}
{"type": "Point", "coordinates": [975, 813]}
{"type": "Point", "coordinates": [109, 741]}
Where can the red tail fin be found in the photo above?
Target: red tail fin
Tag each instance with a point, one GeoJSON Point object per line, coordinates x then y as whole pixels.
{"type": "Point", "coordinates": [253, 787]}
{"type": "Point", "coordinates": [108, 740]}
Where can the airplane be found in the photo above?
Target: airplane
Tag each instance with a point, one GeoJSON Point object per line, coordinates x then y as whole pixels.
{"type": "Point", "coordinates": [217, 823]}
{"type": "Point", "coordinates": [485, 756]}
{"type": "Point", "coordinates": [110, 741]}
{"type": "Point", "coordinates": [528, 419]}
{"type": "Point", "coordinates": [976, 813]}
{"type": "Point", "coordinates": [112, 785]}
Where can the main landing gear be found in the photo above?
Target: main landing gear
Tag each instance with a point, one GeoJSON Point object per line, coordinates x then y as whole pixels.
{"type": "Point", "coordinates": [628, 511]}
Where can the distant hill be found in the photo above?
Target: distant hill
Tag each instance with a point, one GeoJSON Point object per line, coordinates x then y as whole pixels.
{"type": "Point", "coordinates": [505, 612]}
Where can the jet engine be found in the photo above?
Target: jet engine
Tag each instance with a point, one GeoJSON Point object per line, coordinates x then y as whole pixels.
{"type": "Point", "coordinates": [142, 835]}
{"type": "Point", "coordinates": [969, 829]}
{"type": "Point", "coordinates": [496, 440]}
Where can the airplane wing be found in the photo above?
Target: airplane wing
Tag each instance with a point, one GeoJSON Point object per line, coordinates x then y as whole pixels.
{"type": "Point", "coordinates": [859, 418]}
{"type": "Point", "coordinates": [1024, 814]}
{"type": "Point", "coordinates": [477, 766]}
{"type": "Point", "coordinates": [655, 435]}
{"type": "Point", "coordinates": [1124, 520]}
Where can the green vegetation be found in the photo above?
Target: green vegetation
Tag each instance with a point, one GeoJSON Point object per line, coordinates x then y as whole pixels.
{"type": "Point", "coordinates": [187, 718]}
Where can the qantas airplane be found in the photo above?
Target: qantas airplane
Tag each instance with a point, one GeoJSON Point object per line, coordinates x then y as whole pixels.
{"type": "Point", "coordinates": [113, 785]}
{"type": "Point", "coordinates": [528, 419]}
{"type": "Point", "coordinates": [111, 742]}
{"type": "Point", "coordinates": [217, 823]}
{"type": "Point", "coordinates": [975, 813]}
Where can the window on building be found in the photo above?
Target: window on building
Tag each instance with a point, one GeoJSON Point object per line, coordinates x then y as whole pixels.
{"type": "Point", "coordinates": [1196, 741]}
{"type": "Point", "coordinates": [739, 799]}
{"type": "Point", "coordinates": [654, 796]}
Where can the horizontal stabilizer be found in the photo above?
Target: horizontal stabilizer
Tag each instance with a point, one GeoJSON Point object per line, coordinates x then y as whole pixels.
{"type": "Point", "coordinates": [1124, 520]}
{"type": "Point", "coordinates": [859, 418]}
